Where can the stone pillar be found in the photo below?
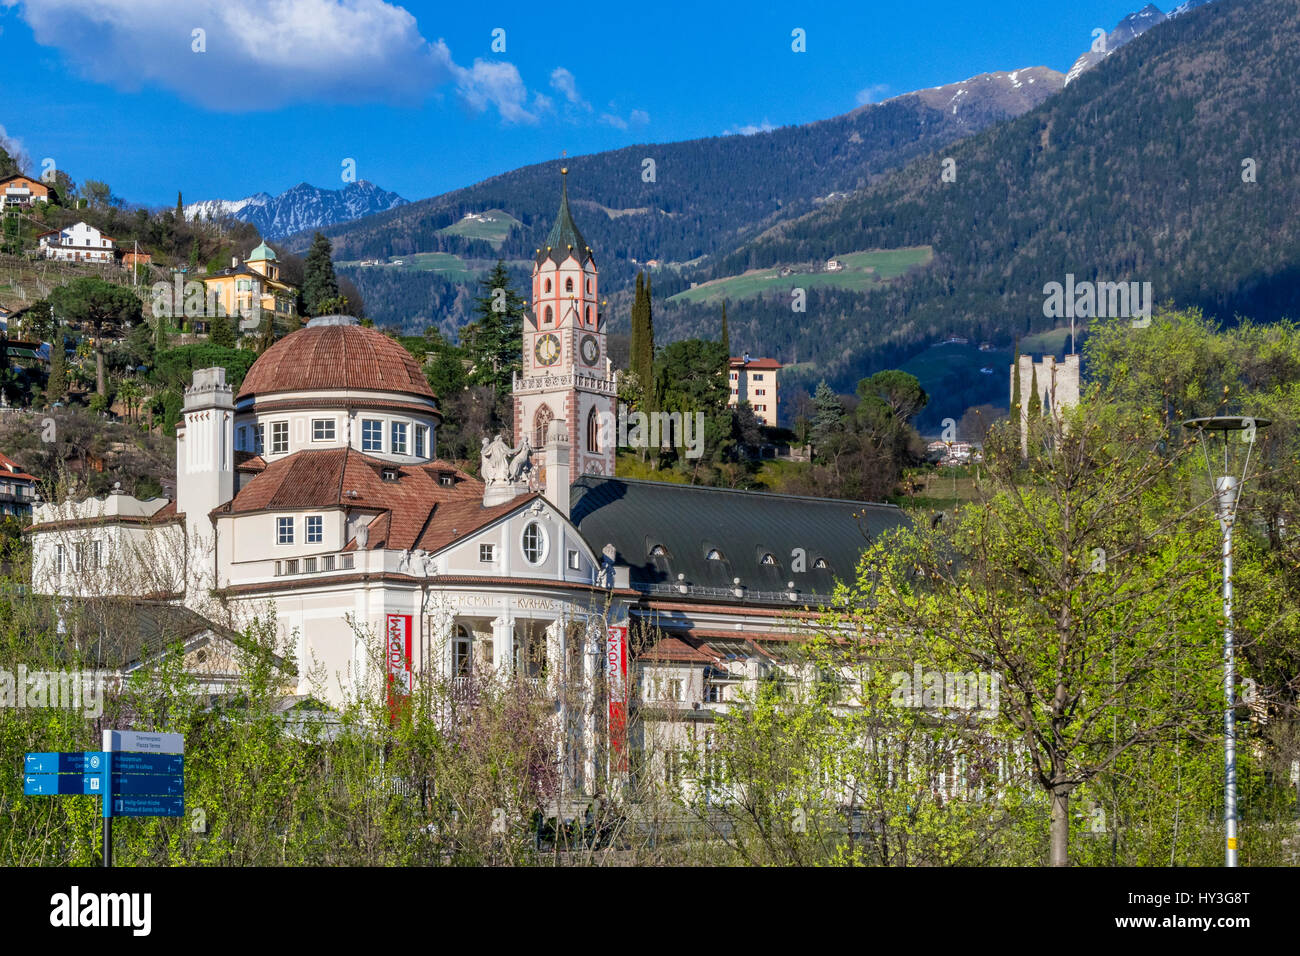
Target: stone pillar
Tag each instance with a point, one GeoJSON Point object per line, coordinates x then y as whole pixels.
{"type": "Point", "coordinates": [503, 641]}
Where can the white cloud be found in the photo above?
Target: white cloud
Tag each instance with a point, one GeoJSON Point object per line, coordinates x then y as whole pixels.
{"type": "Point", "coordinates": [872, 93]}
{"type": "Point", "coordinates": [639, 118]}
{"type": "Point", "coordinates": [259, 54]}
{"type": "Point", "coordinates": [750, 130]}
{"type": "Point", "coordinates": [494, 83]}
{"type": "Point", "coordinates": [563, 81]}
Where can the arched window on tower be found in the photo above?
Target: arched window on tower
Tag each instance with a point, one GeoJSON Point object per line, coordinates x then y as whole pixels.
{"type": "Point", "coordinates": [589, 315]}
{"type": "Point", "coordinates": [568, 284]}
{"type": "Point", "coordinates": [541, 425]}
{"type": "Point", "coordinates": [588, 287]}
{"type": "Point", "coordinates": [549, 315]}
{"type": "Point", "coordinates": [593, 432]}
{"type": "Point", "coordinates": [548, 285]}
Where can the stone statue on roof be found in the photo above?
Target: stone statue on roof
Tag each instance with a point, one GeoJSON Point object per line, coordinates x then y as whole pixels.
{"type": "Point", "coordinates": [501, 464]}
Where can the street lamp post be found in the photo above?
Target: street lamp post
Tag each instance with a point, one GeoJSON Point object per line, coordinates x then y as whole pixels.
{"type": "Point", "coordinates": [1226, 488]}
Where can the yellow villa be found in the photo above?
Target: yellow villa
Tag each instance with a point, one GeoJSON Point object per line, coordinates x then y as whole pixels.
{"type": "Point", "coordinates": [248, 288]}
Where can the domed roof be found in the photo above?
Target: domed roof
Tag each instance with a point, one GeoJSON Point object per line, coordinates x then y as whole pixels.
{"type": "Point", "coordinates": [262, 252]}
{"type": "Point", "coordinates": [334, 352]}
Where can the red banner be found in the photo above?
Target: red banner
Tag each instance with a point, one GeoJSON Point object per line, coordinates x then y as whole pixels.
{"type": "Point", "coordinates": [397, 651]}
{"type": "Point", "coordinates": [616, 681]}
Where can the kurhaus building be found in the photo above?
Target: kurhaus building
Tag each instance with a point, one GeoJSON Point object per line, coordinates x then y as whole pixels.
{"type": "Point", "coordinates": [314, 498]}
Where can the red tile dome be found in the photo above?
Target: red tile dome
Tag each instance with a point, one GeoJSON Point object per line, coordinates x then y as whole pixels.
{"type": "Point", "coordinates": [335, 352]}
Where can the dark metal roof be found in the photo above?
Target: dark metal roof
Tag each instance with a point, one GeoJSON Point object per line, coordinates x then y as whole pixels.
{"type": "Point", "coordinates": [565, 239]}
{"type": "Point", "coordinates": [689, 521]}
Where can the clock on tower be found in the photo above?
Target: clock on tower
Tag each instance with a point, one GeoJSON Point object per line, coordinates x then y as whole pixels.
{"type": "Point", "coordinates": [566, 371]}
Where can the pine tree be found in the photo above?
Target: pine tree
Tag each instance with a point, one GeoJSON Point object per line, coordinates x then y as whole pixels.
{"type": "Point", "coordinates": [320, 287]}
{"type": "Point", "coordinates": [180, 208]}
{"type": "Point", "coordinates": [499, 331]}
{"type": "Point", "coordinates": [57, 384]}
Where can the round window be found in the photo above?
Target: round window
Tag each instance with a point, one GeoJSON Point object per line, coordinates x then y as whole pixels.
{"type": "Point", "coordinates": [534, 543]}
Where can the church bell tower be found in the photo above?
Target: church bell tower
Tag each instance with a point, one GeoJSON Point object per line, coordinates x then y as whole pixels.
{"type": "Point", "coordinates": [567, 375]}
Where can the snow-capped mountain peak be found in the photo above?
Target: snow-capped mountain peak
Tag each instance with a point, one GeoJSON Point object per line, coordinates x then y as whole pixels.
{"type": "Point", "coordinates": [302, 207]}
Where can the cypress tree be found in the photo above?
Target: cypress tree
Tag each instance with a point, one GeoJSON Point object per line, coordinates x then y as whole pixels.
{"type": "Point", "coordinates": [726, 335]}
{"type": "Point", "coordinates": [57, 384]}
{"type": "Point", "coordinates": [1015, 383]}
{"type": "Point", "coordinates": [180, 208]}
{"type": "Point", "coordinates": [1035, 403]}
{"type": "Point", "coordinates": [648, 340]}
{"type": "Point", "coordinates": [221, 332]}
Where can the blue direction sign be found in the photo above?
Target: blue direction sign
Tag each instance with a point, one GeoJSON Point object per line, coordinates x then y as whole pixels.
{"type": "Point", "coordinates": [79, 762]}
{"type": "Point", "coordinates": [155, 784]}
{"type": "Point", "coordinates": [148, 806]}
{"type": "Point", "coordinates": [62, 784]}
{"type": "Point", "coordinates": [147, 763]}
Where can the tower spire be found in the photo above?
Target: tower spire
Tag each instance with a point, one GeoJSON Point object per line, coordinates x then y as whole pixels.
{"type": "Point", "coordinates": [565, 239]}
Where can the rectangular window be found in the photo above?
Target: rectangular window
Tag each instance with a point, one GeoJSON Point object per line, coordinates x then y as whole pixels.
{"type": "Point", "coordinates": [309, 565]}
{"type": "Point", "coordinates": [279, 438]}
{"type": "Point", "coordinates": [60, 559]}
{"type": "Point", "coordinates": [327, 563]}
{"type": "Point", "coordinates": [243, 438]}
{"type": "Point", "coordinates": [345, 562]}
{"type": "Point", "coordinates": [259, 439]}
{"type": "Point", "coordinates": [279, 569]}
{"type": "Point", "coordinates": [291, 567]}
{"type": "Point", "coordinates": [284, 530]}
{"type": "Point", "coordinates": [713, 693]}
{"type": "Point", "coordinates": [372, 435]}
{"type": "Point", "coordinates": [399, 438]}
{"type": "Point", "coordinates": [487, 552]}
{"type": "Point", "coordinates": [95, 555]}
{"type": "Point", "coordinates": [758, 376]}
{"type": "Point", "coordinates": [322, 429]}
{"type": "Point", "coordinates": [419, 441]}
{"type": "Point", "coordinates": [315, 529]}
{"type": "Point", "coordinates": [575, 561]}
{"type": "Point", "coordinates": [760, 391]}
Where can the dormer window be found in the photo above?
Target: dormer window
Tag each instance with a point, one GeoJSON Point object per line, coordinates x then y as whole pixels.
{"type": "Point", "coordinates": [768, 558]}
{"type": "Point", "coordinates": [446, 479]}
{"type": "Point", "coordinates": [658, 551]}
{"type": "Point", "coordinates": [820, 563]}
{"type": "Point", "coordinates": [714, 555]}
{"type": "Point", "coordinates": [389, 474]}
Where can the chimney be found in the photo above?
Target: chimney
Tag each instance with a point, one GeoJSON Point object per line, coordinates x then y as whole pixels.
{"type": "Point", "coordinates": [556, 457]}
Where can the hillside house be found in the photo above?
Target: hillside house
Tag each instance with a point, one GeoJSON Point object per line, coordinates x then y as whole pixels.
{"type": "Point", "coordinates": [78, 243]}
{"type": "Point", "coordinates": [23, 191]}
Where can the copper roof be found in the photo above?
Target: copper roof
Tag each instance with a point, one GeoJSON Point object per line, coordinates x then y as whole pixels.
{"type": "Point", "coordinates": [335, 357]}
{"type": "Point", "coordinates": [414, 511]}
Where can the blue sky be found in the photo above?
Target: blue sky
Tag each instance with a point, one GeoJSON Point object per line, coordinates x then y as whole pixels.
{"type": "Point", "coordinates": [286, 90]}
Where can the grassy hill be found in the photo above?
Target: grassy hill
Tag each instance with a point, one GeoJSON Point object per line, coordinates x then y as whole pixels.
{"type": "Point", "coordinates": [860, 270]}
{"type": "Point", "coordinates": [493, 226]}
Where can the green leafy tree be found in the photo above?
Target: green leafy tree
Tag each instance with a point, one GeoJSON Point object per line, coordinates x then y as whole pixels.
{"type": "Point", "coordinates": [222, 332]}
{"type": "Point", "coordinates": [1080, 577]}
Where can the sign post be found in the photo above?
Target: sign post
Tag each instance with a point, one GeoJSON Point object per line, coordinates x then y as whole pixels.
{"type": "Point", "coordinates": [135, 775]}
